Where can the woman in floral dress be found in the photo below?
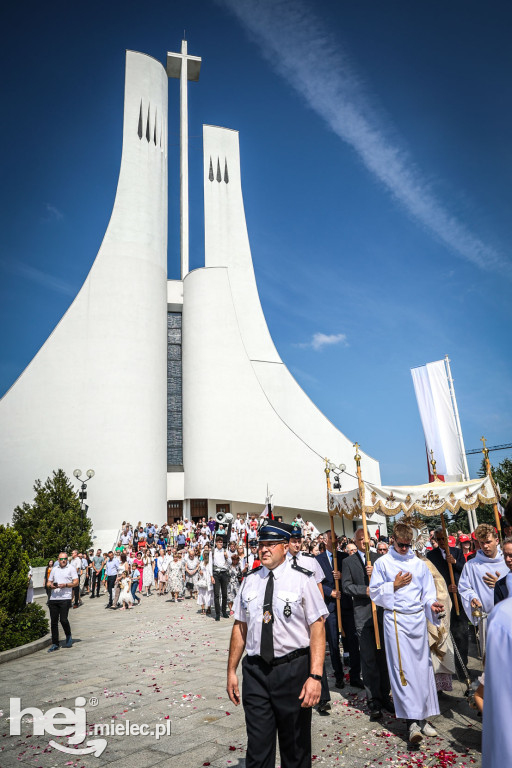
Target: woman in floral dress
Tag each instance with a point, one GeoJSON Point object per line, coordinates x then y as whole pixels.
{"type": "Point", "coordinates": [175, 577]}
{"type": "Point", "coordinates": [235, 578]}
{"type": "Point", "coordinates": [191, 570]}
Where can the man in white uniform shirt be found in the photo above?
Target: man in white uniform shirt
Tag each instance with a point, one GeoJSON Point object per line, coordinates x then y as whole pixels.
{"type": "Point", "coordinates": [62, 580]}
{"type": "Point", "coordinates": [480, 574]}
{"type": "Point", "coordinates": [279, 621]}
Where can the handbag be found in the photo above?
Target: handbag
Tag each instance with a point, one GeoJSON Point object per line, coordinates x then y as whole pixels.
{"type": "Point", "coordinates": [201, 583]}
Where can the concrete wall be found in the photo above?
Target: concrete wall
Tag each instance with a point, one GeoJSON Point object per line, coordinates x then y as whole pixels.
{"type": "Point", "coordinates": [94, 396]}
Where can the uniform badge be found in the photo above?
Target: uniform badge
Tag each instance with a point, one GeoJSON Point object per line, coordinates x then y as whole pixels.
{"type": "Point", "coordinates": [287, 610]}
{"type": "Point", "coordinates": [267, 616]}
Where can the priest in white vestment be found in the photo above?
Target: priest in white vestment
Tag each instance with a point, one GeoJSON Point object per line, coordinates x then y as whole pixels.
{"type": "Point", "coordinates": [403, 585]}
{"type": "Point", "coordinates": [497, 733]}
{"type": "Point", "coordinates": [480, 574]}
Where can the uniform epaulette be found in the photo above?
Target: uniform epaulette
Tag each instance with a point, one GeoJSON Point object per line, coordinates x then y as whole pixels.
{"type": "Point", "coordinates": [301, 569]}
{"type": "Point", "coordinates": [254, 570]}
{"type": "Point", "coordinates": [306, 554]}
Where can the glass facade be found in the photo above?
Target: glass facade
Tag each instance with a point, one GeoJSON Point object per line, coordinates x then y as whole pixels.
{"type": "Point", "coordinates": [174, 391]}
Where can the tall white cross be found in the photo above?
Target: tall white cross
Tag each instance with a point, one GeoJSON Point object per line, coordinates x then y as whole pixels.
{"type": "Point", "coordinates": [186, 68]}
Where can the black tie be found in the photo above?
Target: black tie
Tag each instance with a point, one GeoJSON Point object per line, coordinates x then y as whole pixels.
{"type": "Point", "coordinates": [267, 639]}
{"type": "Point", "coordinates": [294, 561]}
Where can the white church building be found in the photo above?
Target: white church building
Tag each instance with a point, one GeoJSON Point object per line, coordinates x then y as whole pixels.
{"type": "Point", "coordinates": [171, 390]}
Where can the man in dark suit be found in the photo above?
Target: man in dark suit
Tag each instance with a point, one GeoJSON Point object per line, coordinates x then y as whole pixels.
{"type": "Point", "coordinates": [501, 590]}
{"type": "Point", "coordinates": [350, 643]}
{"type": "Point", "coordinates": [355, 584]}
{"type": "Point", "coordinates": [458, 624]}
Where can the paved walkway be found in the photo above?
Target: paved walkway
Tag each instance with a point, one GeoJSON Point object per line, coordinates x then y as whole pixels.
{"type": "Point", "coordinates": [163, 663]}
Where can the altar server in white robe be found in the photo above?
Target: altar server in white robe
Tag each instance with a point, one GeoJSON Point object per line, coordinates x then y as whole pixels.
{"type": "Point", "coordinates": [404, 587]}
{"type": "Point", "coordinates": [497, 733]}
{"type": "Point", "coordinates": [480, 574]}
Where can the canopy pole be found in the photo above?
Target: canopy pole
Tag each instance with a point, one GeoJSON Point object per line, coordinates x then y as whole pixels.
{"type": "Point", "coordinates": [485, 452]}
{"type": "Point", "coordinates": [334, 549]}
{"type": "Point", "coordinates": [357, 458]}
{"type": "Point", "coordinates": [446, 546]}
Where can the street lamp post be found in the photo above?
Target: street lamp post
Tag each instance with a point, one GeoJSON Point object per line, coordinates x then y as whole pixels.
{"type": "Point", "coordinates": [82, 494]}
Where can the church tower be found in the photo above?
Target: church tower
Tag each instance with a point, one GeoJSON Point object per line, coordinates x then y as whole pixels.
{"type": "Point", "coordinates": [172, 391]}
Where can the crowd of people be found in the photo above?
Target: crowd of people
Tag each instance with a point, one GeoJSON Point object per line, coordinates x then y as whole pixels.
{"type": "Point", "coordinates": [405, 611]}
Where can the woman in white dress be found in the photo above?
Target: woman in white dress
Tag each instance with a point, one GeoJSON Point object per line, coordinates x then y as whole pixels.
{"type": "Point", "coordinates": [147, 572]}
{"type": "Point", "coordinates": [203, 584]}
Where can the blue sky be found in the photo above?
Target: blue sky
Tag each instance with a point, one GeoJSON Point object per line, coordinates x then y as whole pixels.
{"type": "Point", "coordinates": [377, 177]}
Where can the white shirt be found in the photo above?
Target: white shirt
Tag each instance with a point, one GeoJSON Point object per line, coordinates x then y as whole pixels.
{"type": "Point", "coordinates": [76, 563]}
{"type": "Point", "coordinates": [162, 563]}
{"type": "Point", "coordinates": [219, 560]}
{"type": "Point", "coordinates": [472, 585]}
{"type": "Point", "coordinates": [292, 588]}
{"type": "Point", "coordinates": [310, 563]}
{"type": "Point", "coordinates": [64, 575]}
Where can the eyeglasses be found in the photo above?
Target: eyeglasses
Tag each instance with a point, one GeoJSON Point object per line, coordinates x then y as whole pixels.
{"type": "Point", "coordinates": [62, 558]}
{"type": "Point", "coordinates": [402, 545]}
{"type": "Point", "coordinates": [269, 544]}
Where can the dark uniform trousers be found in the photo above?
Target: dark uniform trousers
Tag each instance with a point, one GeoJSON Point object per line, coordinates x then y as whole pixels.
{"type": "Point", "coordinates": [220, 586]}
{"type": "Point", "coordinates": [270, 696]}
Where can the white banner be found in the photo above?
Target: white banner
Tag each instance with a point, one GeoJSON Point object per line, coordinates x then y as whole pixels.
{"type": "Point", "coordinates": [438, 419]}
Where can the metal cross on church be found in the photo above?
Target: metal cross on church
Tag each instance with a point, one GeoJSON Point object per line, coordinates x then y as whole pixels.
{"type": "Point", "coordinates": [184, 67]}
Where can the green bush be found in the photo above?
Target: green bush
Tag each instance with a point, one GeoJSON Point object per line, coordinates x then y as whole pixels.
{"type": "Point", "coordinates": [23, 627]}
{"type": "Point", "coordinates": [13, 571]}
{"type": "Point", "coordinates": [19, 623]}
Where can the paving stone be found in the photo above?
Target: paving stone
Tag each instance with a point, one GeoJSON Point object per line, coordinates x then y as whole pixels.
{"type": "Point", "coordinates": [169, 647]}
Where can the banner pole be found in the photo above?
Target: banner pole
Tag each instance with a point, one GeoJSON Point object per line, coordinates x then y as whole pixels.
{"type": "Point", "coordinates": [357, 458]}
{"type": "Point", "coordinates": [334, 549]}
{"type": "Point", "coordinates": [485, 452]}
{"type": "Point", "coordinates": [471, 512]}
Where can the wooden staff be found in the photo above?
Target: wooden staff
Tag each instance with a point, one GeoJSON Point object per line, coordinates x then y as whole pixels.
{"type": "Point", "coordinates": [485, 452]}
{"type": "Point", "coordinates": [446, 546]}
{"type": "Point", "coordinates": [357, 457]}
{"type": "Point", "coordinates": [334, 550]}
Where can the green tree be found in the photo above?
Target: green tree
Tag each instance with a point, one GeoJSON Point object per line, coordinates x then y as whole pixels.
{"type": "Point", "coordinates": [54, 521]}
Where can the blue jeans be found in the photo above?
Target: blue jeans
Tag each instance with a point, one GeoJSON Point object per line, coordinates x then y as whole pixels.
{"type": "Point", "coordinates": [134, 586]}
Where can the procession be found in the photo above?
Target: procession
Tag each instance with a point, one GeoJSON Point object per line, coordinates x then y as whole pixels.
{"type": "Point", "coordinates": [400, 611]}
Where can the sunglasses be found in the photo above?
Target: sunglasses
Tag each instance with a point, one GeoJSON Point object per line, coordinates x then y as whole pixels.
{"type": "Point", "coordinates": [402, 545]}
{"type": "Point", "coordinates": [62, 558]}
